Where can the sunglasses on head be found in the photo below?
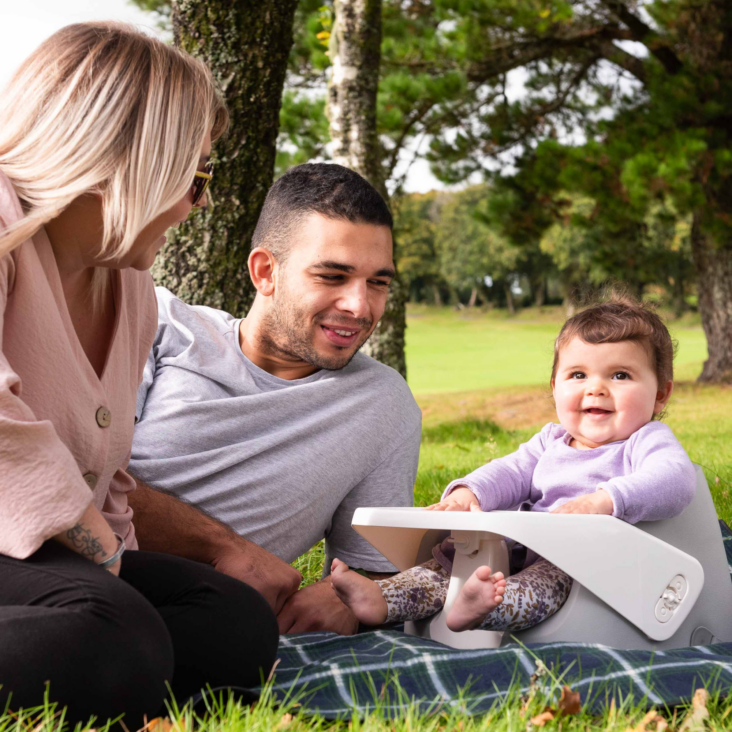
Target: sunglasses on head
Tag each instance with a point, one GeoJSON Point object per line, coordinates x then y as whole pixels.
{"type": "Point", "coordinates": [201, 180]}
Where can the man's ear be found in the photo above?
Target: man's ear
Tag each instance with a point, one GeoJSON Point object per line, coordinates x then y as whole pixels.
{"type": "Point", "coordinates": [262, 266]}
{"type": "Point", "coordinates": [662, 397]}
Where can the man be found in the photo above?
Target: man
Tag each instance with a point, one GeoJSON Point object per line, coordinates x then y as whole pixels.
{"type": "Point", "coordinates": [275, 425]}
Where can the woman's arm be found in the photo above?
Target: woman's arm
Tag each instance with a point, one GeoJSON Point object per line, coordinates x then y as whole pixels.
{"type": "Point", "coordinates": [91, 537]}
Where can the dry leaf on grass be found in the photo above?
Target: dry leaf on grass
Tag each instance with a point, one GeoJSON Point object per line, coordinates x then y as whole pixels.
{"type": "Point", "coordinates": [652, 717]}
{"type": "Point", "coordinates": [541, 719]}
{"type": "Point", "coordinates": [159, 724]}
{"type": "Point", "coordinates": [569, 702]}
{"type": "Point", "coordinates": [698, 713]}
{"type": "Point", "coordinates": [285, 721]}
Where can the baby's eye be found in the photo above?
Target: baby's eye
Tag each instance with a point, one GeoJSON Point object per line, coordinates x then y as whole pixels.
{"type": "Point", "coordinates": [578, 375]}
{"type": "Point", "coordinates": [621, 375]}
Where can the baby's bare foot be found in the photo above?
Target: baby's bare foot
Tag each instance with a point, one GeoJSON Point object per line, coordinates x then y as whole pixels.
{"type": "Point", "coordinates": [360, 593]}
{"type": "Point", "coordinates": [480, 594]}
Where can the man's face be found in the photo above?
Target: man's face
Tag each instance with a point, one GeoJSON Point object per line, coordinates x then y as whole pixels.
{"type": "Point", "coordinates": [331, 291]}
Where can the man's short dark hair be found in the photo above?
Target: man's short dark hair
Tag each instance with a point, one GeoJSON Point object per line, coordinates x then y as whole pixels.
{"type": "Point", "coordinates": [322, 188]}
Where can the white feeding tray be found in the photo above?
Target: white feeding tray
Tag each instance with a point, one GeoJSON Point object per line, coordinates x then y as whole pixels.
{"type": "Point", "coordinates": [625, 567]}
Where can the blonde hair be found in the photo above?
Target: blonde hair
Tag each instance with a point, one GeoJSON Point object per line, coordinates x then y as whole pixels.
{"type": "Point", "coordinates": [103, 108]}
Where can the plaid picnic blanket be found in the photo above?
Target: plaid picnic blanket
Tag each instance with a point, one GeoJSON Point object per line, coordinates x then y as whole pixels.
{"type": "Point", "coordinates": [337, 676]}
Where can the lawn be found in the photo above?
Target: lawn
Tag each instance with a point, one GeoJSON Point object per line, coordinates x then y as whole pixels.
{"type": "Point", "coordinates": [481, 381]}
{"type": "Point", "coordinates": [467, 350]}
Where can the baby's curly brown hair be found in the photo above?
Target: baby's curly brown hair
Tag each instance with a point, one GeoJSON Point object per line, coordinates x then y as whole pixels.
{"type": "Point", "coordinates": [622, 318]}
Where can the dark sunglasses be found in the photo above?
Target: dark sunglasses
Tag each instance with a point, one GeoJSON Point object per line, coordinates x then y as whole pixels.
{"type": "Point", "coordinates": [201, 180]}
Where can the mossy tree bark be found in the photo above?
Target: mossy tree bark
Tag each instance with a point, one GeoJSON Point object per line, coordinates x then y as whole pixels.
{"type": "Point", "coordinates": [355, 52]}
{"type": "Point", "coordinates": [246, 45]}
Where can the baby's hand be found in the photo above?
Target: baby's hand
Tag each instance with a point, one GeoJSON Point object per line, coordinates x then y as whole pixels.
{"type": "Point", "coordinates": [461, 499]}
{"type": "Point", "coordinates": [597, 502]}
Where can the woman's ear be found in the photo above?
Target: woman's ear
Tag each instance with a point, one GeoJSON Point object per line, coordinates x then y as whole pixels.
{"type": "Point", "coordinates": [662, 397]}
{"type": "Point", "coordinates": [262, 266]}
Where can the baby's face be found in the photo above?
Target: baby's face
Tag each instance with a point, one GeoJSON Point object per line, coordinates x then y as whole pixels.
{"type": "Point", "coordinates": [605, 392]}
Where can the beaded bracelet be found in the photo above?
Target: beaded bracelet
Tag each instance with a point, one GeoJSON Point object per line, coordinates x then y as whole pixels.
{"type": "Point", "coordinates": [116, 556]}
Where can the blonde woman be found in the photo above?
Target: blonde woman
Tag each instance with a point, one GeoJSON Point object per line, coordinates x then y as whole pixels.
{"type": "Point", "coordinates": [105, 137]}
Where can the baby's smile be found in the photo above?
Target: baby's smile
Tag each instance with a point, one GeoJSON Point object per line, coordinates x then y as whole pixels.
{"type": "Point", "coordinates": [597, 411]}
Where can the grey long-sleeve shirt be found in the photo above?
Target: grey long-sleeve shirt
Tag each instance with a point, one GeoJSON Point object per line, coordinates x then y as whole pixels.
{"type": "Point", "coordinates": [284, 463]}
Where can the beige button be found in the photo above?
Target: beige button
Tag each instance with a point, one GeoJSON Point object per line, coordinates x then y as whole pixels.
{"type": "Point", "coordinates": [91, 480]}
{"type": "Point", "coordinates": [104, 417]}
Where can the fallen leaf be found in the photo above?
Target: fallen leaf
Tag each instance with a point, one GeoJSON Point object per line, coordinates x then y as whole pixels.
{"type": "Point", "coordinates": [158, 724]}
{"type": "Point", "coordinates": [569, 702]}
{"type": "Point", "coordinates": [541, 719]}
{"type": "Point", "coordinates": [285, 721]}
{"type": "Point", "coordinates": [651, 717]}
{"type": "Point", "coordinates": [694, 721]}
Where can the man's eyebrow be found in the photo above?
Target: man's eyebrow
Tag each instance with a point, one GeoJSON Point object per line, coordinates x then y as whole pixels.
{"type": "Point", "coordinates": [348, 268]}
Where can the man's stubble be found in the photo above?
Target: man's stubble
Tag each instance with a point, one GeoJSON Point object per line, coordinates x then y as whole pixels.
{"type": "Point", "coordinates": [286, 332]}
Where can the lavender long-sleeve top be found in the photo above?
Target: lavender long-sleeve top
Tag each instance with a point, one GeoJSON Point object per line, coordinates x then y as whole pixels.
{"type": "Point", "coordinates": [648, 476]}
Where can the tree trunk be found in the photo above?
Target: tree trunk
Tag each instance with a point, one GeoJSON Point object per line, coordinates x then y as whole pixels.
{"type": "Point", "coordinates": [509, 298]}
{"type": "Point", "coordinates": [246, 45]}
{"type": "Point", "coordinates": [540, 292]}
{"type": "Point", "coordinates": [355, 52]}
{"type": "Point", "coordinates": [436, 295]}
{"type": "Point", "coordinates": [473, 297]}
{"type": "Point", "coordinates": [713, 262]}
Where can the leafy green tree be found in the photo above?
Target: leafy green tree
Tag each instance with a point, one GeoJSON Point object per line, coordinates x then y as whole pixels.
{"type": "Point", "coordinates": [470, 250]}
{"type": "Point", "coordinates": [416, 217]}
{"type": "Point", "coordinates": [656, 122]}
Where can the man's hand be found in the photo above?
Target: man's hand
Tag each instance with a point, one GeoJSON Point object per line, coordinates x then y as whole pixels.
{"type": "Point", "coordinates": [597, 502]}
{"type": "Point", "coordinates": [166, 524]}
{"type": "Point", "coordinates": [461, 499]}
{"type": "Point", "coordinates": [317, 607]}
{"type": "Point", "coordinates": [269, 575]}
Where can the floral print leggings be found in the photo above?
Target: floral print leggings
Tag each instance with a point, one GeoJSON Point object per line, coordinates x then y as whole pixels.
{"type": "Point", "coordinates": [532, 595]}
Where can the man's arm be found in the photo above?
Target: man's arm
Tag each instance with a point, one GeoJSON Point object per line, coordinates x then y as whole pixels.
{"type": "Point", "coordinates": [166, 524]}
{"type": "Point", "coordinates": [317, 606]}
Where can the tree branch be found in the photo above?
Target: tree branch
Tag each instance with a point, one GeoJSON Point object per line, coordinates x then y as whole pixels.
{"type": "Point", "coordinates": [644, 34]}
{"type": "Point", "coordinates": [504, 58]}
{"type": "Point", "coordinates": [632, 64]}
{"type": "Point", "coordinates": [394, 156]}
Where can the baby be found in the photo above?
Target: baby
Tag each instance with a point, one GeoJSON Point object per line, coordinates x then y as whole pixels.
{"type": "Point", "coordinates": [612, 377]}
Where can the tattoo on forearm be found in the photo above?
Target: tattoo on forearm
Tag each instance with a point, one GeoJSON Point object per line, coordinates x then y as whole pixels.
{"type": "Point", "coordinates": [83, 541]}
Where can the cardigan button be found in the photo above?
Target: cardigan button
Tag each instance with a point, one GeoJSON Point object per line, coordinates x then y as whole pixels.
{"type": "Point", "coordinates": [104, 417]}
{"type": "Point", "coordinates": [91, 480]}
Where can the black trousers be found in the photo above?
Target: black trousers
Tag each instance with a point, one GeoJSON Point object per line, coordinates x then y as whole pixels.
{"type": "Point", "coordinates": [109, 645]}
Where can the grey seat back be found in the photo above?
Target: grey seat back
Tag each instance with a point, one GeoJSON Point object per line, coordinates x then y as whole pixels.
{"type": "Point", "coordinates": [585, 618]}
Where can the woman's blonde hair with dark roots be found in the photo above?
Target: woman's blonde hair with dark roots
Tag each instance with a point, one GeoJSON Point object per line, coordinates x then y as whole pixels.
{"type": "Point", "coordinates": [103, 108]}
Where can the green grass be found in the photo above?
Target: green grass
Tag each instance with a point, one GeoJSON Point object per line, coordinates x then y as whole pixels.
{"type": "Point", "coordinates": [510, 714]}
{"type": "Point", "coordinates": [480, 379]}
{"type": "Point", "coordinates": [460, 351]}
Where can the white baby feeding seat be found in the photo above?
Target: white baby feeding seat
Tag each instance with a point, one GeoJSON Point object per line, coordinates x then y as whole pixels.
{"type": "Point", "coordinates": [634, 586]}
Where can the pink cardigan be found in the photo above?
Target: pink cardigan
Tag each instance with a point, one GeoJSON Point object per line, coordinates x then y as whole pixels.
{"type": "Point", "coordinates": [65, 434]}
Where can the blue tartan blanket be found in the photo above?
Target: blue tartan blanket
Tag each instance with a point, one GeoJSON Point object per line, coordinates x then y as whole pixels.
{"type": "Point", "coordinates": [337, 676]}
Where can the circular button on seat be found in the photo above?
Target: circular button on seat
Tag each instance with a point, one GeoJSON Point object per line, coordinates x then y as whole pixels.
{"type": "Point", "coordinates": [91, 480]}
{"type": "Point", "coordinates": [104, 417]}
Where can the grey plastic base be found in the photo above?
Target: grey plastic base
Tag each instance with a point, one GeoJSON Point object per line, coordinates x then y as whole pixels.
{"type": "Point", "coordinates": [585, 618]}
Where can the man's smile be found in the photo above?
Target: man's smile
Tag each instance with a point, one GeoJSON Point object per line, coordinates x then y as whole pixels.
{"type": "Point", "coordinates": [341, 337]}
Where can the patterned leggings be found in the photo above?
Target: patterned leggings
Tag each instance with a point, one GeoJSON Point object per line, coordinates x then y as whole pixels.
{"type": "Point", "coordinates": [532, 595]}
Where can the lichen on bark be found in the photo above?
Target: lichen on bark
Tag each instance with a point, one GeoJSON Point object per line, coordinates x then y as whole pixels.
{"type": "Point", "coordinates": [355, 53]}
{"type": "Point", "coordinates": [246, 46]}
